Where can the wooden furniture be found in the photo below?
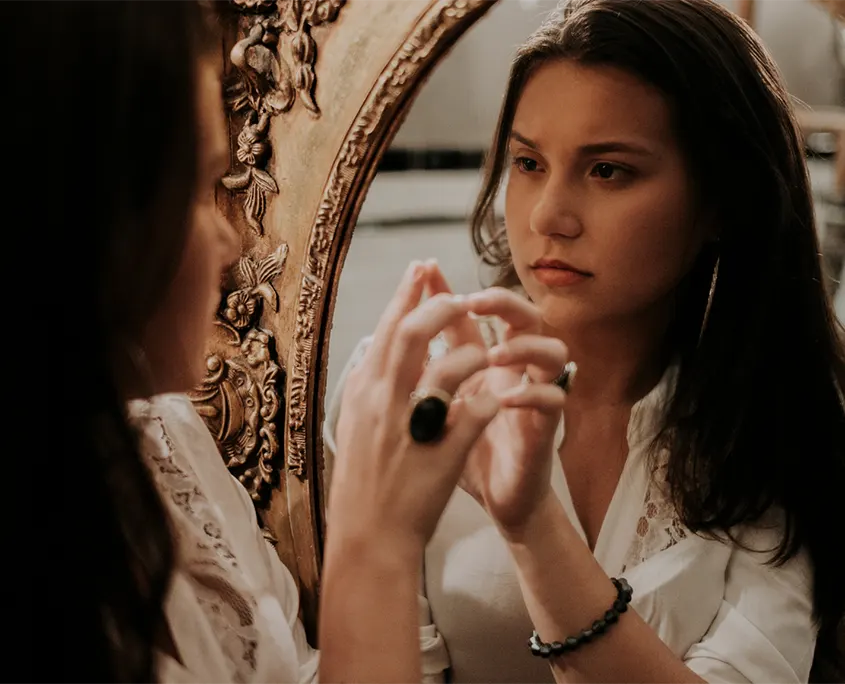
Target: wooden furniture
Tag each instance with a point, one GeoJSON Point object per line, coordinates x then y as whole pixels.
{"type": "Point", "coordinates": [316, 89]}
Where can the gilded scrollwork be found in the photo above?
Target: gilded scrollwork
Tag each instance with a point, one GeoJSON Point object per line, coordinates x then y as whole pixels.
{"type": "Point", "coordinates": [266, 85]}
{"type": "Point", "coordinates": [239, 400]}
{"type": "Point", "coordinates": [240, 397]}
{"type": "Point", "coordinates": [392, 85]}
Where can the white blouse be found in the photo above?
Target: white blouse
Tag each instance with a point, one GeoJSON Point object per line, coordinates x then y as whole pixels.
{"type": "Point", "coordinates": [233, 606]}
{"type": "Point", "coordinates": [722, 609]}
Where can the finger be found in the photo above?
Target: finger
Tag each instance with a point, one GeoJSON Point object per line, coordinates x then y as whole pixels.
{"type": "Point", "coordinates": [546, 398]}
{"type": "Point", "coordinates": [464, 330]}
{"type": "Point", "coordinates": [544, 356]}
{"type": "Point", "coordinates": [450, 371]}
{"type": "Point", "coordinates": [519, 313]}
{"type": "Point", "coordinates": [468, 418]}
{"type": "Point", "coordinates": [413, 335]}
{"type": "Point", "coordinates": [405, 299]}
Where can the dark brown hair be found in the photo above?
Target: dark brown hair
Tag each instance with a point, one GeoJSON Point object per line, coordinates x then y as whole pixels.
{"type": "Point", "coordinates": [756, 419]}
{"type": "Point", "coordinates": [118, 80]}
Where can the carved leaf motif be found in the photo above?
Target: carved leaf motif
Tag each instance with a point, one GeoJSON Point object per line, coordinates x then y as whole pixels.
{"type": "Point", "coordinates": [267, 291]}
{"type": "Point", "coordinates": [272, 265]}
{"type": "Point", "coordinates": [237, 181]}
{"type": "Point", "coordinates": [246, 266]}
{"type": "Point", "coordinates": [265, 181]}
{"type": "Point", "coordinates": [255, 205]}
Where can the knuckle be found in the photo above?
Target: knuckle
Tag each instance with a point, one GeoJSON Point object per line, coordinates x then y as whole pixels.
{"type": "Point", "coordinates": [408, 331]}
{"type": "Point", "coordinates": [441, 300]}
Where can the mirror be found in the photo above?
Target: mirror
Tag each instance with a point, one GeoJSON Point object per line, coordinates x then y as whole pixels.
{"type": "Point", "coordinates": [418, 204]}
{"type": "Point", "coordinates": [419, 201]}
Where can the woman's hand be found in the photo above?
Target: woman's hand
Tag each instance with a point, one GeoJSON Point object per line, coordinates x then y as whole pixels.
{"type": "Point", "coordinates": [385, 486]}
{"type": "Point", "coordinates": [509, 469]}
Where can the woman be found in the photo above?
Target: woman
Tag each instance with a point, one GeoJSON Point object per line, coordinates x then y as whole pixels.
{"type": "Point", "coordinates": [172, 580]}
{"type": "Point", "coordinates": [658, 216]}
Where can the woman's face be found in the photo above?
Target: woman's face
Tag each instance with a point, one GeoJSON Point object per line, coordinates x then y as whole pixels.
{"type": "Point", "coordinates": [599, 202]}
{"type": "Point", "coordinates": [175, 338]}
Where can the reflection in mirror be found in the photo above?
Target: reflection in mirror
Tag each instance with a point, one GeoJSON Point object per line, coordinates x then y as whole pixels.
{"type": "Point", "coordinates": [419, 202]}
{"type": "Point", "coordinates": [418, 208]}
{"type": "Point", "coordinates": [427, 182]}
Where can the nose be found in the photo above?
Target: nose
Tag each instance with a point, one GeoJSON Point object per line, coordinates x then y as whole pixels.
{"type": "Point", "coordinates": [556, 213]}
{"type": "Point", "coordinates": [230, 241]}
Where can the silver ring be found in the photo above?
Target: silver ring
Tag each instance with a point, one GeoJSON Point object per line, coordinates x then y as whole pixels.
{"type": "Point", "coordinates": [430, 408]}
{"type": "Point", "coordinates": [567, 376]}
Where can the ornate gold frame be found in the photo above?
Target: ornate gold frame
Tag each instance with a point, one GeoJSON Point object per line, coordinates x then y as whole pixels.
{"type": "Point", "coordinates": [269, 356]}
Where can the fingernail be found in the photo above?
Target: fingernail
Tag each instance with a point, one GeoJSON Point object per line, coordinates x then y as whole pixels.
{"type": "Point", "coordinates": [459, 298]}
{"type": "Point", "coordinates": [415, 270]}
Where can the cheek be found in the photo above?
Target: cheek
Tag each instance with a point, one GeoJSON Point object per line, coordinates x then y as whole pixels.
{"type": "Point", "coordinates": [651, 236]}
{"type": "Point", "coordinates": [518, 206]}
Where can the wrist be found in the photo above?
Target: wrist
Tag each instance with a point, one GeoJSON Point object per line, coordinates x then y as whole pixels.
{"type": "Point", "coordinates": [548, 514]}
{"type": "Point", "coordinates": [380, 552]}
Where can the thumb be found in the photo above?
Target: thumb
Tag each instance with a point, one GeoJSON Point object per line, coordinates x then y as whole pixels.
{"type": "Point", "coordinates": [470, 416]}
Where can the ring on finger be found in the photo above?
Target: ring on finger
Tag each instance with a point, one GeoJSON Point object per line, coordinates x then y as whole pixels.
{"type": "Point", "coordinates": [430, 408]}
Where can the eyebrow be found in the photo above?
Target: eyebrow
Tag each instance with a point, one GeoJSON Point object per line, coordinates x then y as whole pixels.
{"type": "Point", "coordinates": [593, 148]}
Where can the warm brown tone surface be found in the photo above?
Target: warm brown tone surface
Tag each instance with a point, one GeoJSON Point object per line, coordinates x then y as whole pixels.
{"type": "Point", "coordinates": [317, 90]}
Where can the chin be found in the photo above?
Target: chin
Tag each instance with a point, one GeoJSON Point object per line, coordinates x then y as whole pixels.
{"type": "Point", "coordinates": [562, 313]}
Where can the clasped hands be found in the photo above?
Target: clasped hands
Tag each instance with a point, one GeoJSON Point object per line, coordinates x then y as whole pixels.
{"type": "Point", "coordinates": [498, 442]}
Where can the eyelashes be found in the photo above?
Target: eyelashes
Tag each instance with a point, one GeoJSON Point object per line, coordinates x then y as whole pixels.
{"type": "Point", "coordinates": [603, 171]}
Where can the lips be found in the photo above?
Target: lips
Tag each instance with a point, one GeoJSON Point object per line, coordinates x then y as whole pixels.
{"type": "Point", "coordinates": [559, 265]}
{"type": "Point", "coordinates": [557, 273]}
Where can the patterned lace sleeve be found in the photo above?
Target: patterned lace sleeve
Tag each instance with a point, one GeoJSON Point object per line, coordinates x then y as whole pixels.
{"type": "Point", "coordinates": [230, 609]}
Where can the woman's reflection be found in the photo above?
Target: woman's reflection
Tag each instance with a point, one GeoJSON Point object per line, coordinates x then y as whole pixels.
{"type": "Point", "coordinates": [658, 214]}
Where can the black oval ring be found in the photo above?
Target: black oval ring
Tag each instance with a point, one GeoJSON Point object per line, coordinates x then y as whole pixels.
{"type": "Point", "coordinates": [428, 417]}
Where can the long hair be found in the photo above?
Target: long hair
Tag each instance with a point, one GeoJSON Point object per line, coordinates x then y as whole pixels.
{"type": "Point", "coordinates": [120, 155]}
{"type": "Point", "coordinates": [756, 420]}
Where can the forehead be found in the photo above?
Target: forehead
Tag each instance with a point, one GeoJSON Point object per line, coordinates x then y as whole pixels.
{"type": "Point", "coordinates": [566, 100]}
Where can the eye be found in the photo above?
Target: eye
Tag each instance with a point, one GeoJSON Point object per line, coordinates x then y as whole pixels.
{"type": "Point", "coordinates": [607, 171]}
{"type": "Point", "coordinates": [526, 164]}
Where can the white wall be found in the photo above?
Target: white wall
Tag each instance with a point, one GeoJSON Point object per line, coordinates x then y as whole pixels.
{"type": "Point", "coordinates": [457, 108]}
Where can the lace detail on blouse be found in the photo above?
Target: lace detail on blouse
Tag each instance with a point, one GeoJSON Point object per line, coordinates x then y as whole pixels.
{"type": "Point", "coordinates": [659, 527]}
{"type": "Point", "coordinates": [230, 610]}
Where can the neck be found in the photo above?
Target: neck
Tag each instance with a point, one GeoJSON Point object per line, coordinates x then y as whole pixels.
{"type": "Point", "coordinates": [619, 362]}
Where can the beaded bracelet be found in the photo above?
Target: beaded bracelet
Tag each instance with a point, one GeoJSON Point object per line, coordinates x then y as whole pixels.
{"type": "Point", "coordinates": [556, 648]}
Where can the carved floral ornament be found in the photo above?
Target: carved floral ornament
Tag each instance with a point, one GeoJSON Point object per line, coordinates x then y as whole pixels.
{"type": "Point", "coordinates": [266, 86]}
{"type": "Point", "coordinates": [240, 397]}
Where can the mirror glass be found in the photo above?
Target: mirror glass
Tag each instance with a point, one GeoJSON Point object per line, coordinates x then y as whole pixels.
{"type": "Point", "coordinates": [419, 202]}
